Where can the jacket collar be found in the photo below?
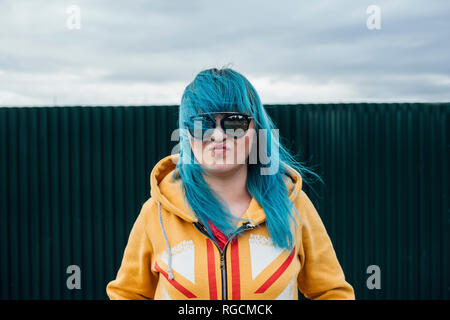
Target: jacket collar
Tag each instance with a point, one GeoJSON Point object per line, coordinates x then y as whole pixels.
{"type": "Point", "coordinates": [169, 191]}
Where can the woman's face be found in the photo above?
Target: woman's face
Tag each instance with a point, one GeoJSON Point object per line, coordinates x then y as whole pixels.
{"type": "Point", "coordinates": [221, 152]}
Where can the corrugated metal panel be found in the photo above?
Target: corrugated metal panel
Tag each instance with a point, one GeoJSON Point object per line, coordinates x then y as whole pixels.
{"type": "Point", "coordinates": [385, 201]}
{"type": "Point", "coordinates": [74, 178]}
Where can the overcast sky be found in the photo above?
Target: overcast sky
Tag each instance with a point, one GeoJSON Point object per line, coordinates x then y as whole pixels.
{"type": "Point", "coordinates": [145, 52]}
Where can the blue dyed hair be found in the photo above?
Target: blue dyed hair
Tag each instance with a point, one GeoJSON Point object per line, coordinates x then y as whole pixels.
{"type": "Point", "coordinates": [217, 90]}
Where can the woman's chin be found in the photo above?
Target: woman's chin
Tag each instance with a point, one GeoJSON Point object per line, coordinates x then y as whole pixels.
{"type": "Point", "coordinates": [221, 167]}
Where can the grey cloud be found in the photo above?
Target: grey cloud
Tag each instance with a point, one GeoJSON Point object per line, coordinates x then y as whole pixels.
{"type": "Point", "coordinates": [162, 42]}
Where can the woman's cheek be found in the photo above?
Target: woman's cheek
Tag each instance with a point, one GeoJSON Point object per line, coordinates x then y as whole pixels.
{"type": "Point", "coordinates": [243, 147]}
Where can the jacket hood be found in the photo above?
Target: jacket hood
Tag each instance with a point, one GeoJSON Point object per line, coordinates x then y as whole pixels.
{"type": "Point", "coordinates": [169, 192]}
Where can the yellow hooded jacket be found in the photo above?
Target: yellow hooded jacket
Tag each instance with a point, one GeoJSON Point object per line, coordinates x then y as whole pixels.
{"type": "Point", "coordinates": [169, 255]}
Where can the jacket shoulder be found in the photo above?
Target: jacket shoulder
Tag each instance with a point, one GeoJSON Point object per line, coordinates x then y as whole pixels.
{"type": "Point", "coordinates": [148, 211]}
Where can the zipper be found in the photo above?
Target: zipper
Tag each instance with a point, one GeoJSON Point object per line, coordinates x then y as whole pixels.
{"type": "Point", "coordinates": [223, 271]}
{"type": "Point", "coordinates": [223, 253]}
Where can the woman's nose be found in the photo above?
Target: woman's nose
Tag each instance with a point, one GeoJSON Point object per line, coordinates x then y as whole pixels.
{"type": "Point", "coordinates": [218, 134]}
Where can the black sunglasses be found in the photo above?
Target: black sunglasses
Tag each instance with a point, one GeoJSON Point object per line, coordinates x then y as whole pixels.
{"type": "Point", "coordinates": [234, 124]}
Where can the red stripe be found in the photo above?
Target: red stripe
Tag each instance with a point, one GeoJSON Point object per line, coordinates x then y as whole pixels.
{"type": "Point", "coordinates": [176, 284]}
{"type": "Point", "coordinates": [274, 277]}
{"type": "Point", "coordinates": [235, 274]}
{"type": "Point", "coordinates": [211, 270]}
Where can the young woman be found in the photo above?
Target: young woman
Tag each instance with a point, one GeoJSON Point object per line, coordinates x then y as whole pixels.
{"type": "Point", "coordinates": [227, 217]}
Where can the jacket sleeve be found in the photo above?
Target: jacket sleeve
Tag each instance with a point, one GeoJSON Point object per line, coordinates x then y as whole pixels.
{"type": "Point", "coordinates": [135, 280]}
{"type": "Point", "coordinates": [321, 276]}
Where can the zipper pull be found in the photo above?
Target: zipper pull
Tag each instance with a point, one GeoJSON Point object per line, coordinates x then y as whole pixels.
{"type": "Point", "coordinates": [221, 262]}
{"type": "Point", "coordinates": [248, 226]}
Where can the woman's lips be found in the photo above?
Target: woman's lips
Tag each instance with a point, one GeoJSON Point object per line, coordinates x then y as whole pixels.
{"type": "Point", "coordinates": [221, 148]}
{"type": "Point", "coordinates": [216, 151]}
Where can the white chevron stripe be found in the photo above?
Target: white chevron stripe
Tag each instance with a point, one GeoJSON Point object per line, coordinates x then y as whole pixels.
{"type": "Point", "coordinates": [262, 253]}
{"type": "Point", "coordinates": [183, 259]}
{"type": "Point", "coordinates": [288, 292]}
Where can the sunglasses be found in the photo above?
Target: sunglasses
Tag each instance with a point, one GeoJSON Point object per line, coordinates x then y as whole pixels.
{"type": "Point", "coordinates": [234, 124]}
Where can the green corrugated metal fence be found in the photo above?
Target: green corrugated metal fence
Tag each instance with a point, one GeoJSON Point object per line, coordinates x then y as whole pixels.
{"type": "Point", "coordinates": [73, 179]}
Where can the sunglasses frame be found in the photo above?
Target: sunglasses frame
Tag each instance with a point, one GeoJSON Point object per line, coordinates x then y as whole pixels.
{"type": "Point", "coordinates": [222, 121]}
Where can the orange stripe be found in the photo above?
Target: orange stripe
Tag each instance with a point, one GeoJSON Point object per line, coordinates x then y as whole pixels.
{"type": "Point", "coordinates": [211, 270]}
{"type": "Point", "coordinates": [274, 277]}
{"type": "Point", "coordinates": [175, 283]}
{"type": "Point", "coordinates": [235, 274]}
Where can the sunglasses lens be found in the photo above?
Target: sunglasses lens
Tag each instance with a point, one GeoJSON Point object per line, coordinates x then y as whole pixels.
{"type": "Point", "coordinates": [198, 127]}
{"type": "Point", "coordinates": [237, 123]}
